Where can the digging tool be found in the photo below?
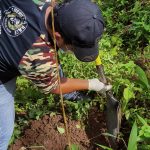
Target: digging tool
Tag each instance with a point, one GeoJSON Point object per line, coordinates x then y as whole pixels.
{"type": "Point", "coordinates": [113, 109]}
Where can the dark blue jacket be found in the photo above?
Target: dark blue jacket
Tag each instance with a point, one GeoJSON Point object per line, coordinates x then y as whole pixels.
{"type": "Point", "coordinates": [19, 28]}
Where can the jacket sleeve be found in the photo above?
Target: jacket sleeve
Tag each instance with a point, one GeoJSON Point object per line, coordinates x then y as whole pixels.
{"type": "Point", "coordinates": [39, 65]}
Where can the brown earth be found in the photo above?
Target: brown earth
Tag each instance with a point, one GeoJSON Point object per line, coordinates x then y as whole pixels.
{"type": "Point", "coordinates": [43, 134]}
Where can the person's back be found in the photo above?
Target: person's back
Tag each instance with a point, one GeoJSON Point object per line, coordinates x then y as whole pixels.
{"type": "Point", "coordinates": [20, 27]}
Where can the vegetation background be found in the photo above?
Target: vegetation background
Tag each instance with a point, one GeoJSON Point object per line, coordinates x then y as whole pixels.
{"type": "Point", "coordinates": [125, 52]}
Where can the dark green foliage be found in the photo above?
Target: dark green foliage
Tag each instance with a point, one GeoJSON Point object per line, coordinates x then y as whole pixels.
{"type": "Point", "coordinates": [130, 20]}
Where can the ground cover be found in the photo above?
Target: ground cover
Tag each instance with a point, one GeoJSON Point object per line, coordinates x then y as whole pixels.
{"type": "Point", "coordinates": [46, 133]}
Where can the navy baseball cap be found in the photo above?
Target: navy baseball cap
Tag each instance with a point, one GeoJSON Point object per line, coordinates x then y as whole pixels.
{"type": "Point", "coordinates": [81, 22]}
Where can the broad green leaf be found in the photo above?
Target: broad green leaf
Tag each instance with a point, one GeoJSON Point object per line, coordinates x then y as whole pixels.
{"type": "Point", "coordinates": [147, 135]}
{"type": "Point", "coordinates": [128, 94]}
{"type": "Point", "coordinates": [142, 76]}
{"type": "Point", "coordinates": [129, 66]}
{"type": "Point", "coordinates": [132, 144]}
{"type": "Point", "coordinates": [142, 120]}
{"type": "Point", "coordinates": [61, 130]}
{"type": "Point", "coordinates": [147, 131]}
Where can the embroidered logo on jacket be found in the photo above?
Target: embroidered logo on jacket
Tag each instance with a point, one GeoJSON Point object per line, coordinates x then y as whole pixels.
{"type": "Point", "coordinates": [14, 22]}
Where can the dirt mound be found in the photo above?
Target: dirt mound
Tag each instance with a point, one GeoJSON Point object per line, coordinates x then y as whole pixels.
{"type": "Point", "coordinates": [44, 133]}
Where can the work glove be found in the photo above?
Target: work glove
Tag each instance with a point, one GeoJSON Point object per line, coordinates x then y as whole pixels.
{"type": "Point", "coordinates": [96, 85]}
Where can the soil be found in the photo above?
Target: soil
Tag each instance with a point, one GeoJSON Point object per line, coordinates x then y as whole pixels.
{"type": "Point", "coordinates": [43, 134]}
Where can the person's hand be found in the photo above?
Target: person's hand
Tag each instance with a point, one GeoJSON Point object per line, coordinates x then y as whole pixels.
{"type": "Point", "coordinates": [96, 85]}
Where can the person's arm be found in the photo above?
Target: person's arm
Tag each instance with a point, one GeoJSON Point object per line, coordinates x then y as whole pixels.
{"type": "Point", "coordinates": [69, 85]}
{"type": "Point", "coordinates": [39, 65]}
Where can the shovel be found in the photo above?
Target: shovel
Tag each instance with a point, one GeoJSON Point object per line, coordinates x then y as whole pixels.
{"type": "Point", "coordinates": [113, 109]}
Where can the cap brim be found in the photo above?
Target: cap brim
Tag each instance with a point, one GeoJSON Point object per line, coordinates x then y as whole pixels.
{"type": "Point", "coordinates": [86, 54]}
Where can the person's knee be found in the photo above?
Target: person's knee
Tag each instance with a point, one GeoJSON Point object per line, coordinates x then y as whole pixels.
{"type": "Point", "coordinates": [5, 136]}
{"type": "Point", "coordinates": [6, 132]}
{"type": "Point", "coordinates": [6, 124]}
{"type": "Point", "coordinates": [7, 113]}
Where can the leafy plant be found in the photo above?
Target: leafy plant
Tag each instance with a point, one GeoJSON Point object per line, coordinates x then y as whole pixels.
{"type": "Point", "coordinates": [142, 77]}
{"type": "Point", "coordinates": [140, 135]}
{"type": "Point", "coordinates": [132, 145]}
{"type": "Point", "coordinates": [144, 132]}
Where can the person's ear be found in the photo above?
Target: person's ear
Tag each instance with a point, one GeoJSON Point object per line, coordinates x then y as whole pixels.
{"type": "Point", "coordinates": [59, 39]}
{"type": "Point", "coordinates": [57, 35]}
